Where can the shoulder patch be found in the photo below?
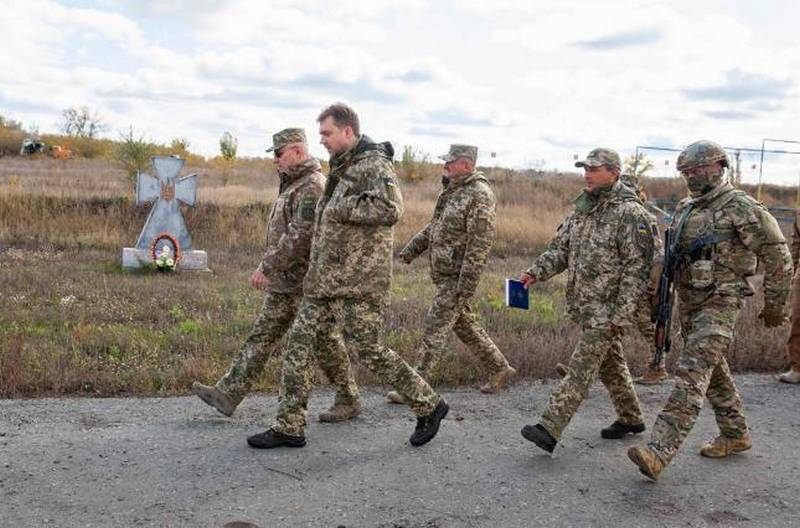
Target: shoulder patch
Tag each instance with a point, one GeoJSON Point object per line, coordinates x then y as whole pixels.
{"type": "Point", "coordinates": [308, 206]}
{"type": "Point", "coordinates": [646, 236]}
{"type": "Point", "coordinates": [390, 188]}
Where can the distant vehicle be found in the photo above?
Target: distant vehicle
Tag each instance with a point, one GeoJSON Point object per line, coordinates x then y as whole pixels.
{"type": "Point", "coordinates": [31, 146]}
{"type": "Point", "coordinates": [59, 152]}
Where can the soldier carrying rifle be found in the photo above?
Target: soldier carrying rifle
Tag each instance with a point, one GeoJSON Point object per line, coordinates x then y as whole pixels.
{"type": "Point", "coordinates": [716, 239]}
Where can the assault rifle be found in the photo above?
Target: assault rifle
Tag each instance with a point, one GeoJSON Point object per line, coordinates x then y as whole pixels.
{"type": "Point", "coordinates": [662, 315]}
{"type": "Point", "coordinates": [676, 257]}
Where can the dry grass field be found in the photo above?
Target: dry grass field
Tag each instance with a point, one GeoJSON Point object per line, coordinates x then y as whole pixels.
{"type": "Point", "coordinates": [72, 321]}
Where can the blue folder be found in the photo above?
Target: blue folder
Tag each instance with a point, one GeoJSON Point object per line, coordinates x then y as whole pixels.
{"type": "Point", "coordinates": [516, 295]}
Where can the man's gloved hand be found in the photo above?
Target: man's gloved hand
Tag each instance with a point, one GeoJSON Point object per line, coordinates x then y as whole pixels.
{"type": "Point", "coordinates": [773, 316]}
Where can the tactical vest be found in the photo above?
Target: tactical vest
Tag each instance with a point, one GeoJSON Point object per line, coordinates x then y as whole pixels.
{"type": "Point", "coordinates": [713, 257]}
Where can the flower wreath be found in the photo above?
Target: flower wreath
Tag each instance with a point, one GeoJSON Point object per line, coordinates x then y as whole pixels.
{"type": "Point", "coordinates": [169, 238]}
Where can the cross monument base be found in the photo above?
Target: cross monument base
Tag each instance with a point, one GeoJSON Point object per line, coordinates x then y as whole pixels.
{"type": "Point", "coordinates": [133, 258]}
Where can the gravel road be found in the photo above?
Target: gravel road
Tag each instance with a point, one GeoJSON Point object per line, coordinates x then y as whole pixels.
{"type": "Point", "coordinates": [174, 462]}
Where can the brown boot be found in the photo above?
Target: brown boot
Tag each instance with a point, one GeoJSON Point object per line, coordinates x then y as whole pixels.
{"type": "Point", "coordinates": [561, 369]}
{"type": "Point", "coordinates": [792, 376]}
{"type": "Point", "coordinates": [395, 397]}
{"type": "Point", "coordinates": [499, 381]}
{"type": "Point", "coordinates": [649, 464]}
{"type": "Point", "coordinates": [723, 446]}
{"type": "Point", "coordinates": [215, 398]}
{"type": "Point", "coordinates": [340, 413]}
{"type": "Point", "coordinates": [652, 376]}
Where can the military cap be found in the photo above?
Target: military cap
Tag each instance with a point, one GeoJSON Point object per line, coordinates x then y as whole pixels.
{"type": "Point", "coordinates": [287, 136]}
{"type": "Point", "coordinates": [461, 151]}
{"type": "Point", "coordinates": [599, 157]}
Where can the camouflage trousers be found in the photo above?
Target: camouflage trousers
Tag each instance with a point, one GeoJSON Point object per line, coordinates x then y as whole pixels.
{"type": "Point", "coordinates": [361, 323]}
{"type": "Point", "coordinates": [277, 314]}
{"type": "Point", "coordinates": [598, 352]}
{"type": "Point", "coordinates": [793, 344]}
{"type": "Point", "coordinates": [702, 372]}
{"type": "Point", "coordinates": [647, 328]}
{"type": "Point", "coordinates": [447, 313]}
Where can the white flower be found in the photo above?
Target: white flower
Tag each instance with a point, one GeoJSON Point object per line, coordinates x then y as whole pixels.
{"type": "Point", "coordinates": [69, 299]}
{"type": "Point", "coordinates": [170, 262]}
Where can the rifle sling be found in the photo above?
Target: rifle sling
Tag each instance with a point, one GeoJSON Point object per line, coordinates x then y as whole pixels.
{"type": "Point", "coordinates": [676, 234]}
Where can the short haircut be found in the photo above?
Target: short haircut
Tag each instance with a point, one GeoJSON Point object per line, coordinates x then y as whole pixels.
{"type": "Point", "coordinates": [342, 116]}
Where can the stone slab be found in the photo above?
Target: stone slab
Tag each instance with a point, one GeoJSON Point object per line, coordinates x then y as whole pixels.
{"type": "Point", "coordinates": [194, 260]}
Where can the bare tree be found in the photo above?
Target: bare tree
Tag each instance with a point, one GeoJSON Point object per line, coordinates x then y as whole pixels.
{"type": "Point", "coordinates": [637, 165]}
{"type": "Point", "coordinates": [81, 122]}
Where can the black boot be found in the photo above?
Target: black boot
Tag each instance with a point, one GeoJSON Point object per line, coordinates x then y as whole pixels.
{"type": "Point", "coordinates": [272, 438]}
{"type": "Point", "coordinates": [618, 430]}
{"type": "Point", "coordinates": [540, 436]}
{"type": "Point", "coordinates": [428, 426]}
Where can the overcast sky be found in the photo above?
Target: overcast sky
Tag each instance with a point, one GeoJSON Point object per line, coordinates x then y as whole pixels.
{"type": "Point", "coordinates": [534, 81]}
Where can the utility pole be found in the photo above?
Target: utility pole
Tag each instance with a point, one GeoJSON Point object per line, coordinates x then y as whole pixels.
{"type": "Point", "coordinates": [737, 170]}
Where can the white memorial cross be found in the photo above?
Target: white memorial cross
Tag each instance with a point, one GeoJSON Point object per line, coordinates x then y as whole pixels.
{"type": "Point", "coordinates": [167, 188]}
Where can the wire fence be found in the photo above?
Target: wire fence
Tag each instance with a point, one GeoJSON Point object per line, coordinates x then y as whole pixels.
{"type": "Point", "coordinates": [748, 165]}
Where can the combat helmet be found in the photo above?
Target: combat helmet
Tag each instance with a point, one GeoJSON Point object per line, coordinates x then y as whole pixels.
{"type": "Point", "coordinates": [701, 153]}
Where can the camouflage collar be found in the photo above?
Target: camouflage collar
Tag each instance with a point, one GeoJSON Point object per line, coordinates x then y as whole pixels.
{"type": "Point", "coordinates": [340, 162]}
{"type": "Point", "coordinates": [363, 148]}
{"type": "Point", "coordinates": [625, 192]}
{"type": "Point", "coordinates": [292, 174]}
{"type": "Point", "coordinates": [476, 175]}
{"type": "Point", "coordinates": [713, 194]}
{"type": "Point", "coordinates": [587, 202]}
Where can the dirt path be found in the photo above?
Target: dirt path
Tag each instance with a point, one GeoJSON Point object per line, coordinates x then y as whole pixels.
{"type": "Point", "coordinates": [175, 462]}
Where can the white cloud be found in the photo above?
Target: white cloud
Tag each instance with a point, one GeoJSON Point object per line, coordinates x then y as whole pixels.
{"type": "Point", "coordinates": [528, 80]}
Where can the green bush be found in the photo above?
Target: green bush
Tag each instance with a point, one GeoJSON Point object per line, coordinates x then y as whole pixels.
{"type": "Point", "coordinates": [133, 154]}
{"type": "Point", "coordinates": [414, 165]}
{"type": "Point", "coordinates": [228, 145]}
{"type": "Point", "coordinates": [11, 141]}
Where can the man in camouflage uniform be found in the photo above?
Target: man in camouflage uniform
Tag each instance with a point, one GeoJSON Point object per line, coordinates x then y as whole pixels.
{"type": "Point", "coordinates": [280, 274]}
{"type": "Point", "coordinates": [643, 321]}
{"type": "Point", "coordinates": [459, 239]}
{"type": "Point", "coordinates": [720, 235]}
{"type": "Point", "coordinates": [607, 246]}
{"type": "Point", "coordinates": [793, 344]}
{"type": "Point", "coordinates": [347, 283]}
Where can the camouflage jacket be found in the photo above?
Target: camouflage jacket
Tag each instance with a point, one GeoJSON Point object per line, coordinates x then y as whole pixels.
{"type": "Point", "coordinates": [608, 251]}
{"type": "Point", "coordinates": [351, 254]}
{"type": "Point", "coordinates": [744, 232]}
{"type": "Point", "coordinates": [459, 236]}
{"type": "Point", "coordinates": [290, 228]}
